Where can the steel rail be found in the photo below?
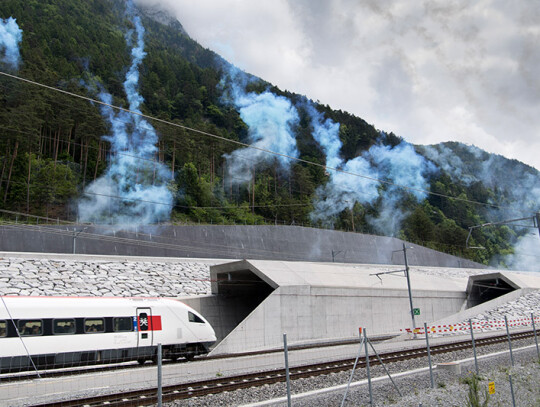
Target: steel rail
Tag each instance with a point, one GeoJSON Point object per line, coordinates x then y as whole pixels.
{"type": "Point", "coordinates": [218, 385]}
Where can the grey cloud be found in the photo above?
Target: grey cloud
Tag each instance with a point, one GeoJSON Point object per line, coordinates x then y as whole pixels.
{"type": "Point", "coordinates": [430, 71]}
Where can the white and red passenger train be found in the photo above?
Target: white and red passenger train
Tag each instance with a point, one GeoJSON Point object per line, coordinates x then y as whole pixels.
{"type": "Point", "coordinates": [74, 331]}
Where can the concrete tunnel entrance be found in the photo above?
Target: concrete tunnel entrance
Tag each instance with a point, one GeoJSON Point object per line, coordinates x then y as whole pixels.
{"type": "Point", "coordinates": [483, 288]}
{"type": "Point", "coordinates": [236, 292]}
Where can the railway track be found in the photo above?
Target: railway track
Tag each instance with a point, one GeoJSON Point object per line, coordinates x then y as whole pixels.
{"type": "Point", "coordinates": [231, 383]}
{"type": "Point", "coordinates": [101, 368]}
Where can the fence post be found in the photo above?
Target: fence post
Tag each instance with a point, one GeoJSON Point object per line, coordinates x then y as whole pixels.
{"type": "Point", "coordinates": [353, 369]}
{"type": "Point", "coordinates": [367, 368]}
{"type": "Point", "coordinates": [512, 390]}
{"type": "Point", "coordinates": [509, 340]}
{"type": "Point", "coordinates": [385, 369]}
{"type": "Point", "coordinates": [474, 348]}
{"type": "Point", "coordinates": [159, 376]}
{"type": "Point", "coordinates": [429, 356]}
{"type": "Point", "coordinates": [535, 336]}
{"type": "Point", "coordinates": [287, 370]}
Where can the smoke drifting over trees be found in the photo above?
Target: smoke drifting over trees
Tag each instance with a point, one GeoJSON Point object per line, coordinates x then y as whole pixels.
{"type": "Point", "coordinates": [122, 169]}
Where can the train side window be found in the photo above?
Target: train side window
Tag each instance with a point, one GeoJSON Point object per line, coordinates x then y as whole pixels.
{"type": "Point", "coordinates": [194, 318]}
{"type": "Point", "coordinates": [92, 325]}
{"type": "Point", "coordinates": [64, 326]}
{"type": "Point", "coordinates": [123, 324]}
{"type": "Point", "coordinates": [3, 329]}
{"type": "Point", "coordinates": [29, 327]}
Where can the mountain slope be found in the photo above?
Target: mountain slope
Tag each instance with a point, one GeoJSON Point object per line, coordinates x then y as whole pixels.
{"type": "Point", "coordinates": [52, 147]}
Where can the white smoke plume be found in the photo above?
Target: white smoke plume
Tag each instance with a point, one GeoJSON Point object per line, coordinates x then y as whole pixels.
{"type": "Point", "coordinates": [270, 119]}
{"type": "Point", "coordinates": [398, 166]}
{"type": "Point", "coordinates": [526, 255]}
{"type": "Point", "coordinates": [133, 190]}
{"type": "Point", "coordinates": [10, 38]}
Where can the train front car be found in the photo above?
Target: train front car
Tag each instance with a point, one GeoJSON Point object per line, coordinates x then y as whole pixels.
{"type": "Point", "coordinates": [188, 333]}
{"type": "Point", "coordinates": [181, 330]}
{"type": "Point", "coordinates": [51, 332]}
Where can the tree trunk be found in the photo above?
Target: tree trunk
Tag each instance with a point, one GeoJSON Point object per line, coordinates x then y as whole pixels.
{"type": "Point", "coordinates": [69, 140]}
{"type": "Point", "coordinates": [156, 157]}
{"type": "Point", "coordinates": [56, 148]}
{"type": "Point", "coordinates": [81, 156]}
{"type": "Point", "coordinates": [253, 192]}
{"type": "Point", "coordinates": [85, 161]}
{"type": "Point", "coordinates": [290, 186]}
{"type": "Point", "coordinates": [97, 160]}
{"type": "Point", "coordinates": [40, 141]}
{"type": "Point", "coordinates": [275, 182]}
{"type": "Point", "coordinates": [173, 159]}
{"type": "Point", "coordinates": [50, 143]}
{"type": "Point", "coordinates": [11, 169]}
{"type": "Point", "coordinates": [4, 161]}
{"type": "Point", "coordinates": [28, 181]}
{"type": "Point", "coordinates": [223, 180]}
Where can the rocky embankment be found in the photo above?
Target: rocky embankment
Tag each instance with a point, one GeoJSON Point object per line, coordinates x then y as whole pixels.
{"type": "Point", "coordinates": [85, 277]}
{"type": "Point", "coordinates": [521, 307]}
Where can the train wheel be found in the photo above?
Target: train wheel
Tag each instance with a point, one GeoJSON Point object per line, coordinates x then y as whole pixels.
{"type": "Point", "coordinates": [141, 361]}
{"type": "Point", "coordinates": [189, 357]}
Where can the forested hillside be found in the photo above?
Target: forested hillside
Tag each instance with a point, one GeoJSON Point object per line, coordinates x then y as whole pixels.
{"type": "Point", "coordinates": [52, 145]}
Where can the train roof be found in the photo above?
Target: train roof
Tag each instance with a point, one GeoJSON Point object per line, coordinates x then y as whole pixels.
{"type": "Point", "coordinates": [51, 307]}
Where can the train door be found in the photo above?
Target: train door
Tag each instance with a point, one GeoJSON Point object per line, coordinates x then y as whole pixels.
{"type": "Point", "coordinates": [144, 327]}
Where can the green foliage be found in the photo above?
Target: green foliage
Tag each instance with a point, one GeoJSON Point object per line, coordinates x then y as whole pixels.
{"type": "Point", "coordinates": [51, 145]}
{"type": "Point", "coordinates": [475, 398]}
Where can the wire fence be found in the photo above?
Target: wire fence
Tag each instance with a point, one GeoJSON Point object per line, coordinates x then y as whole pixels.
{"type": "Point", "coordinates": [81, 371]}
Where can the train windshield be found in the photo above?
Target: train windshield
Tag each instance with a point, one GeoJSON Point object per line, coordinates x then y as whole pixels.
{"type": "Point", "coordinates": [194, 318]}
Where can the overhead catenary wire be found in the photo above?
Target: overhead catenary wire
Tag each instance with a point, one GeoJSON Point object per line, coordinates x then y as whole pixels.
{"type": "Point", "coordinates": [245, 145]}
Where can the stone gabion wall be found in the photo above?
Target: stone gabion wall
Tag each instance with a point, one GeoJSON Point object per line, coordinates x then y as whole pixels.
{"type": "Point", "coordinates": [519, 308]}
{"type": "Point", "coordinates": [23, 276]}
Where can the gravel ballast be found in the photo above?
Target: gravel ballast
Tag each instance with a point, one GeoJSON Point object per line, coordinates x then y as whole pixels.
{"type": "Point", "coordinates": [414, 388]}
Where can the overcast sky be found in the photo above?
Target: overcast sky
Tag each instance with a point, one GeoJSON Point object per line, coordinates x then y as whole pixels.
{"type": "Point", "coordinates": [429, 71]}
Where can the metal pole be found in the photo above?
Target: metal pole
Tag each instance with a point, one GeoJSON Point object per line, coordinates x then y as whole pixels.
{"type": "Point", "coordinates": [159, 376]}
{"type": "Point", "coordinates": [353, 369]}
{"type": "Point", "coordinates": [385, 369]}
{"type": "Point", "coordinates": [512, 390]}
{"type": "Point", "coordinates": [429, 357]}
{"type": "Point", "coordinates": [409, 288]}
{"type": "Point", "coordinates": [509, 340]}
{"type": "Point", "coordinates": [535, 337]}
{"type": "Point", "coordinates": [367, 368]}
{"type": "Point", "coordinates": [474, 348]}
{"type": "Point", "coordinates": [74, 238]}
{"type": "Point", "coordinates": [287, 370]}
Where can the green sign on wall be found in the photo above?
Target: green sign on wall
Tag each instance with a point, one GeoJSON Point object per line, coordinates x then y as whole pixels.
{"type": "Point", "coordinates": [416, 311]}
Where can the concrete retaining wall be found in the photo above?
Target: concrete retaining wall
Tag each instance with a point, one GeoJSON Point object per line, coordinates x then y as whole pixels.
{"type": "Point", "coordinates": [314, 313]}
{"type": "Point", "coordinates": [228, 242]}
